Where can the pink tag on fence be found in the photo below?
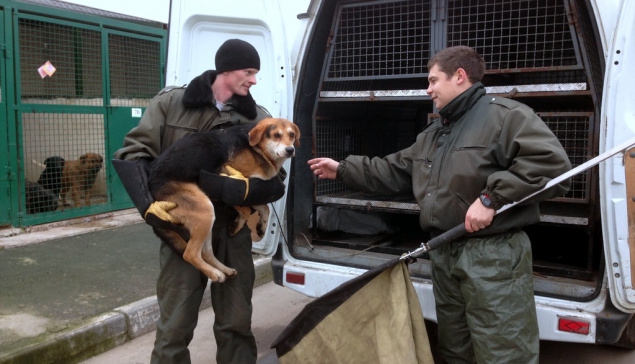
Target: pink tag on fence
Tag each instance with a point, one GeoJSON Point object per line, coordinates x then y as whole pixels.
{"type": "Point", "coordinates": [46, 69]}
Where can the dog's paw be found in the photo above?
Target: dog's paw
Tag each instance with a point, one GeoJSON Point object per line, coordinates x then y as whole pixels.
{"type": "Point", "coordinates": [228, 272]}
{"type": "Point", "coordinates": [259, 230]}
{"type": "Point", "coordinates": [220, 277]}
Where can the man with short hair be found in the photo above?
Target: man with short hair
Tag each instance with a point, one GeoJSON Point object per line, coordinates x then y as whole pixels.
{"type": "Point", "coordinates": [484, 152]}
{"type": "Point", "coordinates": [214, 100]}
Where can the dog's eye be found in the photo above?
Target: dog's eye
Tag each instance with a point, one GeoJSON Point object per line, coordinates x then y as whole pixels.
{"type": "Point", "coordinates": [291, 135]}
{"type": "Point", "coordinates": [277, 135]}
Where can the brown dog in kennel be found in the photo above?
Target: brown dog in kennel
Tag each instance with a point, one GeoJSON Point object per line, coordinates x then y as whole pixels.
{"type": "Point", "coordinates": [78, 178]}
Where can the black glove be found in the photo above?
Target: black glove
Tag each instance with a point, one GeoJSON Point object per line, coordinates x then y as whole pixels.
{"type": "Point", "coordinates": [134, 177]}
{"type": "Point", "coordinates": [239, 192]}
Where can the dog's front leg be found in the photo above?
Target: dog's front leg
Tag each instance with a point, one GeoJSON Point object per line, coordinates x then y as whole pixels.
{"type": "Point", "coordinates": [88, 196]}
{"type": "Point", "coordinates": [263, 211]}
{"type": "Point", "coordinates": [240, 220]}
{"type": "Point", "coordinates": [76, 194]}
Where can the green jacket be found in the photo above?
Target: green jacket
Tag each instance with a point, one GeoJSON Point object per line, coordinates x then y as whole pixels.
{"type": "Point", "coordinates": [177, 111]}
{"type": "Point", "coordinates": [481, 143]}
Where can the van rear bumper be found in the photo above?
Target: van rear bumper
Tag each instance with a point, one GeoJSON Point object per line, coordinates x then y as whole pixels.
{"type": "Point", "coordinates": [606, 323]}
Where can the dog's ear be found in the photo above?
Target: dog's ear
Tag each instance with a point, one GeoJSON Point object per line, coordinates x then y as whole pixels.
{"type": "Point", "coordinates": [296, 130]}
{"type": "Point", "coordinates": [255, 134]}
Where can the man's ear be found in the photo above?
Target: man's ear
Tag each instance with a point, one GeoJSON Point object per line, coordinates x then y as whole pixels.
{"type": "Point", "coordinates": [461, 76]}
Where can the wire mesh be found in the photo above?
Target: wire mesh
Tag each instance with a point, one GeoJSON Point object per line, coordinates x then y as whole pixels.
{"type": "Point", "coordinates": [75, 55]}
{"type": "Point", "coordinates": [586, 34]}
{"type": "Point", "coordinates": [63, 161]}
{"type": "Point", "coordinates": [573, 130]}
{"type": "Point", "coordinates": [336, 140]}
{"type": "Point", "coordinates": [381, 40]}
{"type": "Point", "coordinates": [134, 69]}
{"type": "Point", "coordinates": [346, 129]}
{"type": "Point", "coordinates": [514, 35]}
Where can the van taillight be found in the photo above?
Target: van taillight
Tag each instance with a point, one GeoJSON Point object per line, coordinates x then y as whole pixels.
{"type": "Point", "coordinates": [295, 278]}
{"type": "Point", "coordinates": [576, 327]}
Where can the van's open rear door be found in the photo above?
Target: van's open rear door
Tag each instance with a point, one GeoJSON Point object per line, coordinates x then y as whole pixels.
{"type": "Point", "coordinates": [618, 201]}
{"type": "Point", "coordinates": [199, 27]}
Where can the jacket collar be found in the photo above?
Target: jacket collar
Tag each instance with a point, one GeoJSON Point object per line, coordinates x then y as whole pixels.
{"type": "Point", "coordinates": [456, 108]}
{"type": "Point", "coordinates": [199, 93]}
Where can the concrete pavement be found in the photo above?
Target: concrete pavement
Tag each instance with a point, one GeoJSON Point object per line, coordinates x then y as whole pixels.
{"type": "Point", "coordinates": [73, 289]}
{"type": "Point", "coordinates": [274, 308]}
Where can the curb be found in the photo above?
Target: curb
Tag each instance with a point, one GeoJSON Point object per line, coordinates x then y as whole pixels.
{"type": "Point", "coordinates": [17, 237]}
{"type": "Point", "coordinates": [109, 330]}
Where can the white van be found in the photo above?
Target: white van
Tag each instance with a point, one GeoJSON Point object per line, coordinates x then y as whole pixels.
{"type": "Point", "coordinates": [352, 74]}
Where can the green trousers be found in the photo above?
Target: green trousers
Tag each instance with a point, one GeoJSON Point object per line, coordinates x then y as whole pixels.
{"type": "Point", "coordinates": [180, 289]}
{"type": "Point", "coordinates": [484, 294]}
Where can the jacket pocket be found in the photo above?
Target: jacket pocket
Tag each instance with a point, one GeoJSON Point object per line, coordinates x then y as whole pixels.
{"type": "Point", "coordinates": [173, 133]}
{"type": "Point", "coordinates": [181, 127]}
{"type": "Point", "coordinates": [463, 201]}
{"type": "Point", "coordinates": [471, 147]}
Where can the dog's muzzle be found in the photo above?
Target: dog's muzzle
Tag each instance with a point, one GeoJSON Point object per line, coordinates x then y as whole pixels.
{"type": "Point", "coordinates": [290, 151]}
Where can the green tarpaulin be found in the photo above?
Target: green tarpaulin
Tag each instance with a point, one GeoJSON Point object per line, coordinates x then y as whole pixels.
{"type": "Point", "coordinates": [374, 318]}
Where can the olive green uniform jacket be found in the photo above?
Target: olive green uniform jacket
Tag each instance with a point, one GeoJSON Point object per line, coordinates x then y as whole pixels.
{"type": "Point", "coordinates": [481, 143]}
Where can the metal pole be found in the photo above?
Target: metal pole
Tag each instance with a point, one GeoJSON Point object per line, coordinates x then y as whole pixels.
{"type": "Point", "coordinates": [459, 230]}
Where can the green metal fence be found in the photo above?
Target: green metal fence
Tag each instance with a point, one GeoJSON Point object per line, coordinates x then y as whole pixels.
{"type": "Point", "coordinates": [72, 86]}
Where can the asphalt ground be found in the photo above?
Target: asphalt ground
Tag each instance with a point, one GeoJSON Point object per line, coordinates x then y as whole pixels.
{"type": "Point", "coordinates": [69, 292]}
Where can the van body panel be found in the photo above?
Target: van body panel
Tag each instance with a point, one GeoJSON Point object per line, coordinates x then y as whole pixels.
{"type": "Point", "coordinates": [618, 118]}
{"type": "Point", "coordinates": [606, 13]}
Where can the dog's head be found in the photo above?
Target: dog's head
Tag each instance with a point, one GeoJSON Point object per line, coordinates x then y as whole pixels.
{"type": "Point", "coordinates": [51, 176]}
{"type": "Point", "coordinates": [91, 162]}
{"type": "Point", "coordinates": [277, 137]}
{"type": "Point", "coordinates": [54, 162]}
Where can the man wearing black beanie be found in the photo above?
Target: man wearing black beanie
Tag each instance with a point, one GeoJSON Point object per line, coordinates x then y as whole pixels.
{"type": "Point", "coordinates": [214, 100]}
{"type": "Point", "coordinates": [236, 54]}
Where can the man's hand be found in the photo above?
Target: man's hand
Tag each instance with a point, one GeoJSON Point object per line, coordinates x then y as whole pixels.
{"type": "Point", "coordinates": [324, 167]}
{"type": "Point", "coordinates": [160, 209]}
{"type": "Point", "coordinates": [158, 217]}
{"type": "Point", "coordinates": [134, 177]}
{"type": "Point", "coordinates": [233, 173]}
{"type": "Point", "coordinates": [478, 217]}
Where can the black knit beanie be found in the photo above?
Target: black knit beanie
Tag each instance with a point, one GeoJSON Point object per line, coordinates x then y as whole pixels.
{"type": "Point", "coordinates": [236, 54]}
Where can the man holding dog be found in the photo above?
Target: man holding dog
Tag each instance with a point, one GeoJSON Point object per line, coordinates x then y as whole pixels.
{"type": "Point", "coordinates": [484, 152]}
{"type": "Point", "coordinates": [215, 99]}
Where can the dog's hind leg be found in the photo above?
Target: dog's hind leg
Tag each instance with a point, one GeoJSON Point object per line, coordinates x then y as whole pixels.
{"type": "Point", "coordinates": [199, 222]}
{"type": "Point", "coordinates": [208, 256]}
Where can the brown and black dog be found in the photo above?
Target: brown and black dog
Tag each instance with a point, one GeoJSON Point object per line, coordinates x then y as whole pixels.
{"type": "Point", "coordinates": [78, 177]}
{"type": "Point", "coordinates": [255, 150]}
